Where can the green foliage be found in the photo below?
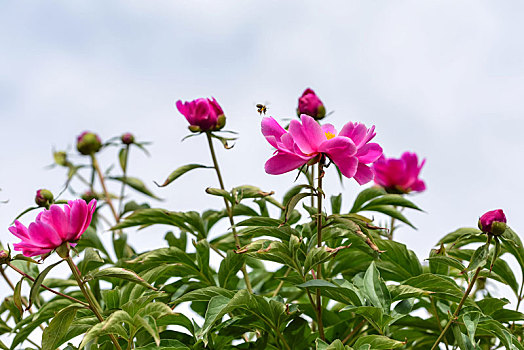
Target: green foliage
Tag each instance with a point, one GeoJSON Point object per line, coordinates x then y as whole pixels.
{"type": "Point", "coordinates": [257, 284]}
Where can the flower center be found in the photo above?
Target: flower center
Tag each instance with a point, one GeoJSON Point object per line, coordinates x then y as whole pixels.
{"type": "Point", "coordinates": [329, 135]}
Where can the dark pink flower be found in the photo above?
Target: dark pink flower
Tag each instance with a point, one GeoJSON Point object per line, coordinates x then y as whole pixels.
{"type": "Point", "coordinates": [54, 227]}
{"type": "Point", "coordinates": [349, 150]}
{"type": "Point", "coordinates": [203, 114]}
{"type": "Point", "coordinates": [310, 104]}
{"type": "Point", "coordinates": [493, 222]}
{"type": "Point", "coordinates": [399, 175]}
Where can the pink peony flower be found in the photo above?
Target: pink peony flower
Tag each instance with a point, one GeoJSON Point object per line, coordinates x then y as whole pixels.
{"type": "Point", "coordinates": [203, 114]}
{"type": "Point", "coordinates": [493, 222]}
{"type": "Point", "coordinates": [399, 175]}
{"type": "Point", "coordinates": [54, 227]}
{"type": "Point", "coordinates": [349, 150]}
{"type": "Point", "coordinates": [310, 104]}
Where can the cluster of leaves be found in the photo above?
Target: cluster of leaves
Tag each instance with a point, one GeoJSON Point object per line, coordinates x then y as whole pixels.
{"type": "Point", "coordinates": [374, 292]}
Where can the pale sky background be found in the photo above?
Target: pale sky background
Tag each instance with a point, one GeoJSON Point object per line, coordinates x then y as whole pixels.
{"type": "Point", "coordinates": [442, 78]}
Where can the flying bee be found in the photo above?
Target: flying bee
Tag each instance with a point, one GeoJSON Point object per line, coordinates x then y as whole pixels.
{"type": "Point", "coordinates": [261, 108]}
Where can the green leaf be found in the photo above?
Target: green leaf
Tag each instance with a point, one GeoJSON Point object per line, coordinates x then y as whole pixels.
{"type": "Point", "coordinates": [229, 267]}
{"type": "Point", "coordinates": [17, 296]}
{"type": "Point", "coordinates": [112, 325]}
{"type": "Point", "coordinates": [366, 195]}
{"type": "Point", "coordinates": [122, 158]}
{"type": "Point", "coordinates": [135, 184]}
{"type": "Point", "coordinates": [376, 290]}
{"type": "Point", "coordinates": [471, 321]}
{"type": "Point", "coordinates": [442, 287]}
{"type": "Point", "coordinates": [220, 193]}
{"type": "Point", "coordinates": [446, 260]}
{"type": "Point", "coordinates": [120, 273]}
{"type": "Point", "coordinates": [336, 203]}
{"type": "Point", "coordinates": [214, 312]}
{"type": "Point", "coordinates": [91, 261]}
{"type": "Point", "coordinates": [391, 199]}
{"type": "Point", "coordinates": [293, 203]}
{"type": "Point", "coordinates": [33, 294]}
{"type": "Point", "coordinates": [181, 171]}
{"type": "Point", "coordinates": [58, 327]}
{"type": "Point", "coordinates": [90, 239]}
{"type": "Point", "coordinates": [390, 211]}
{"type": "Point", "coordinates": [479, 258]}
{"type": "Point", "coordinates": [378, 342]}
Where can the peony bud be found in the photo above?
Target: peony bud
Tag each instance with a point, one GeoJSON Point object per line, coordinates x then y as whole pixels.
{"type": "Point", "coordinates": [4, 257]}
{"type": "Point", "coordinates": [203, 114]}
{"type": "Point", "coordinates": [88, 196]}
{"type": "Point", "coordinates": [310, 104]}
{"type": "Point", "coordinates": [493, 222]}
{"type": "Point", "coordinates": [44, 198]}
{"type": "Point", "coordinates": [88, 143]}
{"type": "Point", "coordinates": [127, 138]}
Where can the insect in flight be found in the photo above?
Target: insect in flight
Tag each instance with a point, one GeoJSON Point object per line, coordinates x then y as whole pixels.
{"type": "Point", "coordinates": [261, 108]}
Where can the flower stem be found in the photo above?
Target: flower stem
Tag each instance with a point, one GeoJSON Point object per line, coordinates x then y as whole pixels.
{"type": "Point", "coordinates": [92, 305]}
{"type": "Point", "coordinates": [45, 287]}
{"type": "Point", "coordinates": [228, 208]}
{"type": "Point", "coordinates": [319, 244]}
{"type": "Point", "coordinates": [124, 178]}
{"type": "Point", "coordinates": [103, 183]}
{"type": "Point", "coordinates": [462, 301]}
{"type": "Point", "coordinates": [354, 331]}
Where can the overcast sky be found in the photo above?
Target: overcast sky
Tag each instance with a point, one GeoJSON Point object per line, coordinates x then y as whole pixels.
{"type": "Point", "coordinates": [444, 79]}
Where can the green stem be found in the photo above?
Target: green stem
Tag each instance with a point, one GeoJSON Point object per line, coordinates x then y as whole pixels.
{"type": "Point", "coordinates": [281, 337]}
{"type": "Point", "coordinates": [279, 287]}
{"type": "Point", "coordinates": [124, 178]}
{"type": "Point", "coordinates": [462, 301]}
{"type": "Point", "coordinates": [438, 320]}
{"type": "Point", "coordinates": [319, 244]}
{"type": "Point", "coordinates": [354, 331]}
{"type": "Point", "coordinates": [228, 209]}
{"type": "Point", "coordinates": [103, 183]}
{"type": "Point", "coordinates": [85, 290]}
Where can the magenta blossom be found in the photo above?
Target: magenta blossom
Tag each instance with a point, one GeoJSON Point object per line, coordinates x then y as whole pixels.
{"type": "Point", "coordinates": [493, 222]}
{"type": "Point", "coordinates": [305, 141]}
{"type": "Point", "coordinates": [399, 175]}
{"type": "Point", "coordinates": [310, 104]}
{"type": "Point", "coordinates": [54, 227]}
{"type": "Point", "coordinates": [203, 114]}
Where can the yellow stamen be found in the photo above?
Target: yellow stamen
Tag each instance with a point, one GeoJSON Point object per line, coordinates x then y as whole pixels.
{"type": "Point", "coordinates": [329, 135]}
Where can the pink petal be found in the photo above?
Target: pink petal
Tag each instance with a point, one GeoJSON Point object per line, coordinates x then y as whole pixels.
{"type": "Point", "coordinates": [418, 186]}
{"type": "Point", "coordinates": [283, 162]}
{"type": "Point", "coordinates": [272, 130]}
{"type": "Point", "coordinates": [308, 135]}
{"type": "Point", "coordinates": [77, 217]}
{"type": "Point", "coordinates": [56, 217]}
{"type": "Point", "coordinates": [369, 153]}
{"type": "Point", "coordinates": [364, 174]}
{"type": "Point", "coordinates": [341, 151]}
{"type": "Point", "coordinates": [43, 235]}
{"type": "Point", "coordinates": [19, 230]}
{"type": "Point", "coordinates": [329, 128]}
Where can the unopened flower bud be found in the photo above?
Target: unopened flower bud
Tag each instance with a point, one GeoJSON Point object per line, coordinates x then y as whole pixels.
{"type": "Point", "coordinates": [60, 158]}
{"type": "Point", "coordinates": [493, 222]}
{"type": "Point", "coordinates": [127, 138]}
{"type": "Point", "coordinates": [310, 104]}
{"type": "Point", "coordinates": [44, 198]}
{"type": "Point", "coordinates": [88, 196]}
{"type": "Point", "coordinates": [88, 143]}
{"type": "Point", "coordinates": [202, 114]}
{"type": "Point", "coordinates": [4, 257]}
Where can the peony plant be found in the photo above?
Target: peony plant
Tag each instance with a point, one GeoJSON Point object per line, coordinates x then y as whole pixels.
{"type": "Point", "coordinates": [337, 278]}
